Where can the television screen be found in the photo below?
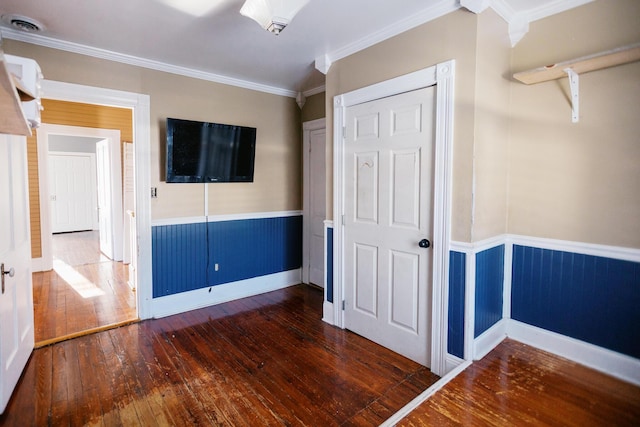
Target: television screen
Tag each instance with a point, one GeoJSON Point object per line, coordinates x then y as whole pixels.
{"type": "Point", "coordinates": [209, 152]}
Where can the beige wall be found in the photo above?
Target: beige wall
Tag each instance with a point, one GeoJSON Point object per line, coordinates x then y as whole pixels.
{"type": "Point", "coordinates": [276, 185]}
{"type": "Point", "coordinates": [491, 130]}
{"type": "Point", "coordinates": [578, 181]}
{"type": "Point", "coordinates": [314, 107]}
{"type": "Point", "coordinates": [450, 37]}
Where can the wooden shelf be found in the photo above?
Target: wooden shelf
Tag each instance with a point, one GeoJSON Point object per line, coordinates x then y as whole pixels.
{"type": "Point", "coordinates": [610, 58]}
{"type": "Point", "coordinates": [12, 119]}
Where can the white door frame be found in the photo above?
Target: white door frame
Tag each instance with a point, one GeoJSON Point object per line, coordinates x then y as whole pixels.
{"type": "Point", "coordinates": [441, 75]}
{"type": "Point", "coordinates": [307, 128]}
{"type": "Point", "coordinates": [140, 105]}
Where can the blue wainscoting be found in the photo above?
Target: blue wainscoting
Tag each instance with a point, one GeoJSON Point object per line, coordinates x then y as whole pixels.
{"type": "Point", "coordinates": [184, 256]}
{"type": "Point", "coordinates": [329, 272]}
{"type": "Point", "coordinates": [489, 288]}
{"type": "Point", "coordinates": [589, 298]}
{"type": "Point", "coordinates": [455, 337]}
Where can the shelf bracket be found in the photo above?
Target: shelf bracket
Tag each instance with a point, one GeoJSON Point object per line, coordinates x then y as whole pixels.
{"type": "Point", "coordinates": [574, 84]}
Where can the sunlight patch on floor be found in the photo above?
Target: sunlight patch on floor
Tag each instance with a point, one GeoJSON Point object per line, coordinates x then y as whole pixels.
{"type": "Point", "coordinates": [83, 286]}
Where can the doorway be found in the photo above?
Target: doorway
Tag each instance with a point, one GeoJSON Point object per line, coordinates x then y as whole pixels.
{"type": "Point", "coordinates": [87, 287]}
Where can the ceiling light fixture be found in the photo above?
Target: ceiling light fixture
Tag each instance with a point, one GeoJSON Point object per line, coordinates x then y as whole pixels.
{"type": "Point", "coordinates": [272, 15]}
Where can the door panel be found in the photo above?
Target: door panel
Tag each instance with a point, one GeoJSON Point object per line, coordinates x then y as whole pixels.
{"type": "Point", "coordinates": [388, 210]}
{"type": "Point", "coordinates": [366, 169]}
{"type": "Point", "coordinates": [72, 185]}
{"type": "Point", "coordinates": [317, 205]}
{"type": "Point", "coordinates": [366, 279]}
{"type": "Point", "coordinates": [16, 298]}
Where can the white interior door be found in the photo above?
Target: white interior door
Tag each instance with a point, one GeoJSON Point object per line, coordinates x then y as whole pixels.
{"type": "Point", "coordinates": [16, 298]}
{"type": "Point", "coordinates": [105, 219]}
{"type": "Point", "coordinates": [388, 211]}
{"type": "Point", "coordinates": [317, 205]}
{"type": "Point", "coordinates": [72, 184]}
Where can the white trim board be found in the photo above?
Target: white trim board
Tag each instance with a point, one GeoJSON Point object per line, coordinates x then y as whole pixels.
{"type": "Point", "coordinates": [618, 365]}
{"type": "Point", "coordinates": [218, 294]}
{"type": "Point", "coordinates": [220, 218]}
{"type": "Point", "coordinates": [605, 251]}
{"type": "Point", "coordinates": [441, 75]}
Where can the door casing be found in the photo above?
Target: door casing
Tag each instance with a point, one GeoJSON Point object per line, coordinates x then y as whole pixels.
{"type": "Point", "coordinates": [140, 105]}
{"type": "Point", "coordinates": [442, 75]}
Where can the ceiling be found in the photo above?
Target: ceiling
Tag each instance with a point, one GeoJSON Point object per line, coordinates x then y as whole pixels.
{"type": "Point", "coordinates": [209, 39]}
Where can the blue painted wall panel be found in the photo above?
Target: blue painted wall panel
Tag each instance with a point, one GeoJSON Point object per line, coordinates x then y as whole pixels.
{"type": "Point", "coordinates": [329, 264]}
{"type": "Point", "coordinates": [489, 288]}
{"type": "Point", "coordinates": [184, 256]}
{"type": "Point", "coordinates": [589, 298]}
{"type": "Point", "coordinates": [179, 258]}
{"type": "Point", "coordinates": [455, 337]}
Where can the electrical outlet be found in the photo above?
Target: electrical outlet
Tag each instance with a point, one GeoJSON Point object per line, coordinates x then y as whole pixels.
{"type": "Point", "coordinates": [216, 267]}
{"type": "Point", "coordinates": [154, 192]}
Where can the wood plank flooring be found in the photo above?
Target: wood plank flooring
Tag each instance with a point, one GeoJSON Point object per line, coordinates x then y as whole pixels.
{"type": "Point", "coordinates": [265, 360]}
{"type": "Point", "coordinates": [85, 290]}
{"type": "Point", "coordinates": [517, 385]}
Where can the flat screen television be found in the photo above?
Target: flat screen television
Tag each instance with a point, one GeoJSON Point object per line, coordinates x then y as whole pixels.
{"type": "Point", "coordinates": [209, 152]}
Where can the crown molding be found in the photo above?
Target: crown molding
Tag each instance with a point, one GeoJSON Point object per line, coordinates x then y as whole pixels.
{"type": "Point", "coordinates": [519, 21]}
{"type": "Point", "coordinates": [314, 91]}
{"type": "Point", "coordinates": [81, 49]}
{"type": "Point", "coordinates": [441, 8]}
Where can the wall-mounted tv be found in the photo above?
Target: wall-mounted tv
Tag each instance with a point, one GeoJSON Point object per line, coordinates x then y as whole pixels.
{"type": "Point", "coordinates": [209, 152]}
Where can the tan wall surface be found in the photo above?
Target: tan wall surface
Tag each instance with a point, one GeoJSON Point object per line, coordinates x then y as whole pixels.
{"type": "Point", "coordinates": [277, 185]}
{"type": "Point", "coordinates": [450, 37]}
{"type": "Point", "coordinates": [578, 181]}
{"type": "Point", "coordinates": [314, 107]}
{"type": "Point", "coordinates": [491, 127]}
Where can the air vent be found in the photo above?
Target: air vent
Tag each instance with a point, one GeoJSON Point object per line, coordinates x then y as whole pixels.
{"type": "Point", "coordinates": [23, 23]}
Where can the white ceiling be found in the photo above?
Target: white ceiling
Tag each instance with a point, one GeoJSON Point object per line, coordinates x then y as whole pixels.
{"type": "Point", "coordinates": [209, 38]}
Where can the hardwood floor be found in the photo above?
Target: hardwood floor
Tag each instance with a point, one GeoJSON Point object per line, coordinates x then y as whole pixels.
{"type": "Point", "coordinates": [270, 360]}
{"type": "Point", "coordinates": [265, 360]}
{"type": "Point", "coordinates": [518, 385]}
{"type": "Point", "coordinates": [84, 291]}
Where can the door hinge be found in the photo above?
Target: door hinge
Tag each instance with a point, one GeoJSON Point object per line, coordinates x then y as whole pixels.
{"type": "Point", "coordinates": [343, 304]}
{"type": "Point", "coordinates": [342, 219]}
{"type": "Point", "coordinates": [344, 132]}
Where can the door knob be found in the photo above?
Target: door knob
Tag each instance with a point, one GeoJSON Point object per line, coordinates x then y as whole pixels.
{"type": "Point", "coordinates": [11, 272]}
{"type": "Point", "coordinates": [424, 243]}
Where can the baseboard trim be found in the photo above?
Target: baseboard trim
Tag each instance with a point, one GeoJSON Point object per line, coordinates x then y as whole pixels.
{"type": "Point", "coordinates": [327, 313]}
{"type": "Point", "coordinates": [39, 264]}
{"type": "Point", "coordinates": [489, 339]}
{"type": "Point", "coordinates": [452, 362]}
{"type": "Point", "coordinates": [205, 297]}
{"type": "Point", "coordinates": [617, 365]}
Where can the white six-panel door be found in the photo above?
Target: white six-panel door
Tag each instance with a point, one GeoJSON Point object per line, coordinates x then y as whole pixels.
{"type": "Point", "coordinates": [72, 184]}
{"type": "Point", "coordinates": [16, 297]}
{"type": "Point", "coordinates": [388, 211]}
{"type": "Point", "coordinates": [317, 204]}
